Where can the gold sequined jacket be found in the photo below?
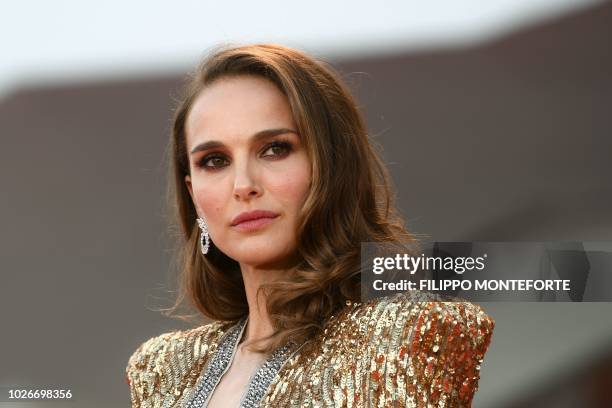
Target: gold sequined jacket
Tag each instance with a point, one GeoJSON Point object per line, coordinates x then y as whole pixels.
{"type": "Point", "coordinates": [387, 352]}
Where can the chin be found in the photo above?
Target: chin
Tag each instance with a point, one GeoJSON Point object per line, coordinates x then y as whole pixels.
{"type": "Point", "coordinates": [262, 259]}
{"type": "Point", "coordinates": [265, 254]}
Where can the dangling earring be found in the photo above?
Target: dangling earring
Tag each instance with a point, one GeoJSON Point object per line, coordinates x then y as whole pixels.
{"type": "Point", "coordinates": [204, 236]}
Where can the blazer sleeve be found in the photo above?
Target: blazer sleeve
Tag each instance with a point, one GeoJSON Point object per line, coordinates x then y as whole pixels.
{"type": "Point", "coordinates": [441, 353]}
{"type": "Point", "coordinates": [143, 369]}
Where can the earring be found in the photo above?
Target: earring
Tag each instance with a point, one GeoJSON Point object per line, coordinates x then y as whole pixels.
{"type": "Point", "coordinates": [203, 236]}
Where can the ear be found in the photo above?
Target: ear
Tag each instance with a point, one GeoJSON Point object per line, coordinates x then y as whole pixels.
{"type": "Point", "coordinates": [190, 189]}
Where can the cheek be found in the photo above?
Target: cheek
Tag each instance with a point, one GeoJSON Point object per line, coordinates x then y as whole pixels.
{"type": "Point", "coordinates": [211, 198]}
{"type": "Point", "coordinates": [292, 187]}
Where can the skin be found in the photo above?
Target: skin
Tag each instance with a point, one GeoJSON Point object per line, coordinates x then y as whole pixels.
{"type": "Point", "coordinates": [243, 174]}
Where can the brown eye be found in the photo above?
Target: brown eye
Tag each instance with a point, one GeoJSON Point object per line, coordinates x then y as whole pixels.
{"type": "Point", "coordinates": [277, 149]}
{"type": "Point", "coordinates": [213, 162]}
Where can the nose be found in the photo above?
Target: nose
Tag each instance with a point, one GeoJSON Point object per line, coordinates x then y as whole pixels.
{"type": "Point", "coordinates": [246, 186]}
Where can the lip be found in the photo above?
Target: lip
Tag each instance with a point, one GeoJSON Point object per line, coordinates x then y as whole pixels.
{"type": "Point", "coordinates": [251, 220]}
{"type": "Point", "coordinates": [252, 225]}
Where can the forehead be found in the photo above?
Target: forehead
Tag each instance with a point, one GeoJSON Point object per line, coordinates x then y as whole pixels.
{"type": "Point", "coordinates": [237, 107]}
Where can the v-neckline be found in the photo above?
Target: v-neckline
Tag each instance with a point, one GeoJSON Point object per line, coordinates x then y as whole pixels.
{"type": "Point", "coordinates": [222, 359]}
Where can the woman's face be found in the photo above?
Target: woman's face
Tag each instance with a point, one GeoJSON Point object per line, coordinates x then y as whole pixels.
{"type": "Point", "coordinates": [245, 155]}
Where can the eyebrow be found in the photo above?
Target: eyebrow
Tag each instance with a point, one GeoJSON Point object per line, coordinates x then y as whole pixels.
{"type": "Point", "coordinates": [262, 134]}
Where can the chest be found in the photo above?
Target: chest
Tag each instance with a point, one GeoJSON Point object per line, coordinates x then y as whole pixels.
{"type": "Point", "coordinates": [334, 369]}
{"type": "Point", "coordinates": [234, 383]}
{"type": "Point", "coordinates": [235, 379]}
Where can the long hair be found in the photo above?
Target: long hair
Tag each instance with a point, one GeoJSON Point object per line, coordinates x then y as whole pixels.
{"type": "Point", "coordinates": [350, 200]}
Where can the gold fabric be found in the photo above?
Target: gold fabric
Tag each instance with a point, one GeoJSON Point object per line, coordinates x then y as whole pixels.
{"type": "Point", "coordinates": [387, 352]}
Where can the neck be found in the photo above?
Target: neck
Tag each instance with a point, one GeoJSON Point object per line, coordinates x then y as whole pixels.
{"type": "Point", "coordinates": [259, 324]}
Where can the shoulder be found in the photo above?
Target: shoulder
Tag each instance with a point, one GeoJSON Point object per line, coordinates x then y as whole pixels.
{"type": "Point", "coordinates": [420, 309]}
{"type": "Point", "coordinates": [152, 367]}
{"type": "Point", "coordinates": [158, 347]}
{"type": "Point", "coordinates": [464, 316]}
{"type": "Point", "coordinates": [429, 349]}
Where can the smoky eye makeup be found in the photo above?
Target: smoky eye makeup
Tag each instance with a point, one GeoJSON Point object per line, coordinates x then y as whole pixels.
{"type": "Point", "coordinates": [283, 148]}
{"type": "Point", "coordinates": [273, 150]}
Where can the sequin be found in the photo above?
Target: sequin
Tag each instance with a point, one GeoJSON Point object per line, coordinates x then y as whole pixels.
{"type": "Point", "coordinates": [388, 352]}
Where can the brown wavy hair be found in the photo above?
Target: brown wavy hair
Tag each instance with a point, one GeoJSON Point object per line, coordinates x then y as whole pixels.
{"type": "Point", "coordinates": [350, 200]}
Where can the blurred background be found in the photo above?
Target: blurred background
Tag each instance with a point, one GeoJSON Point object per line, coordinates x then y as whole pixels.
{"type": "Point", "coordinates": [495, 119]}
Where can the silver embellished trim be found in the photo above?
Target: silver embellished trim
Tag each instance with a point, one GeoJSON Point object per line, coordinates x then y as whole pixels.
{"type": "Point", "coordinates": [221, 360]}
{"type": "Point", "coordinates": [216, 366]}
{"type": "Point", "coordinates": [265, 375]}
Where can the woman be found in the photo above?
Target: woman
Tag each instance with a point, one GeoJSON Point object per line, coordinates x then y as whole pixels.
{"type": "Point", "coordinates": [277, 185]}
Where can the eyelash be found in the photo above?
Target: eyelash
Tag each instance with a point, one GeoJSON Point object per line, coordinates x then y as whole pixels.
{"type": "Point", "coordinates": [286, 145]}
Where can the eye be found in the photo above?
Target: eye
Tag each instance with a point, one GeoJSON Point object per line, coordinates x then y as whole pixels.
{"type": "Point", "coordinates": [212, 162]}
{"type": "Point", "coordinates": [278, 148]}
{"type": "Point", "coordinates": [274, 150]}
